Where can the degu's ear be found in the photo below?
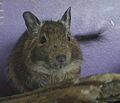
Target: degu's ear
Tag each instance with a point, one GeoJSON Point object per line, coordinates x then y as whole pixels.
{"type": "Point", "coordinates": [31, 22]}
{"type": "Point", "coordinates": [66, 18]}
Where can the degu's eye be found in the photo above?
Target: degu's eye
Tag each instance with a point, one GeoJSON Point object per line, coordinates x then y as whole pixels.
{"type": "Point", "coordinates": [68, 38]}
{"type": "Point", "coordinates": [43, 40]}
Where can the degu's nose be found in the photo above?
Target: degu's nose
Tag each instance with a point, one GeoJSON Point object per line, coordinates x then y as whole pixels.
{"type": "Point", "coordinates": [61, 58]}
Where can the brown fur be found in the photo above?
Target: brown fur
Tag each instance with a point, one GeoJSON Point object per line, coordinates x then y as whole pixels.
{"type": "Point", "coordinates": [33, 64]}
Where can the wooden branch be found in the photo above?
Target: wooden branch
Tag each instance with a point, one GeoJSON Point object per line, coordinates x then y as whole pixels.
{"type": "Point", "coordinates": [103, 88]}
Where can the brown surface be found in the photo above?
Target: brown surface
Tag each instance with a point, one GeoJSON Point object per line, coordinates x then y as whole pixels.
{"type": "Point", "coordinates": [102, 87]}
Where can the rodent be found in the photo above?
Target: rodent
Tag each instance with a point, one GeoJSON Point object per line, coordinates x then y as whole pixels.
{"type": "Point", "coordinates": [46, 54]}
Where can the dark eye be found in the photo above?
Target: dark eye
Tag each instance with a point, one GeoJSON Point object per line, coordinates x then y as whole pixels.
{"type": "Point", "coordinates": [43, 40]}
{"type": "Point", "coordinates": [69, 38]}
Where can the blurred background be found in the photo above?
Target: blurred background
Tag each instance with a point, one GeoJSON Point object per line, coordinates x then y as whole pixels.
{"type": "Point", "coordinates": [88, 17]}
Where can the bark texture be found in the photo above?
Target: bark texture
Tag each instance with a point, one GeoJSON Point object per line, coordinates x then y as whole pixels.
{"type": "Point", "coordinates": [101, 88]}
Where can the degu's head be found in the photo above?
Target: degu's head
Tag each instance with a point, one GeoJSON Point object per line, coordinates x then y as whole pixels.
{"type": "Point", "coordinates": [55, 47]}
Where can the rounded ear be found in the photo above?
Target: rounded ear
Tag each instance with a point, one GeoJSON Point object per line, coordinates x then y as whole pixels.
{"type": "Point", "coordinates": [31, 22]}
{"type": "Point", "coordinates": [66, 18]}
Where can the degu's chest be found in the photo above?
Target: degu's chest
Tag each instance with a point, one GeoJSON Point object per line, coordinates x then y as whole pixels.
{"type": "Point", "coordinates": [40, 79]}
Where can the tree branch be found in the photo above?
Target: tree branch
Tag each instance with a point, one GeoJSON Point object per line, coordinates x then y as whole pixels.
{"type": "Point", "coordinates": [102, 88]}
